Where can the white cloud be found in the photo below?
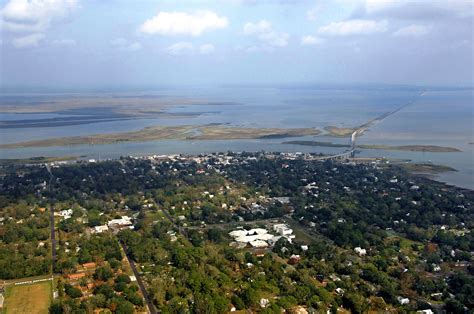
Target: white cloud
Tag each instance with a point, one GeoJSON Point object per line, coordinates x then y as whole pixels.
{"type": "Point", "coordinates": [354, 27]}
{"type": "Point", "coordinates": [310, 40]}
{"type": "Point", "coordinates": [64, 42]}
{"type": "Point", "coordinates": [413, 30]}
{"type": "Point", "coordinates": [181, 23]}
{"type": "Point", "coordinates": [257, 28]}
{"type": "Point", "coordinates": [31, 40]}
{"type": "Point", "coordinates": [180, 48]}
{"type": "Point", "coordinates": [125, 45]}
{"type": "Point", "coordinates": [34, 16]}
{"type": "Point", "coordinates": [206, 49]}
{"type": "Point", "coordinates": [264, 32]}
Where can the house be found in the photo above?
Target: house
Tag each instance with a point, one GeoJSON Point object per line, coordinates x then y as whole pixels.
{"type": "Point", "coordinates": [89, 265]}
{"type": "Point", "coordinates": [65, 214]}
{"type": "Point", "coordinates": [282, 229]}
{"type": "Point", "coordinates": [360, 251]}
{"type": "Point", "coordinates": [333, 277]}
{"type": "Point", "coordinates": [75, 276]}
{"type": "Point", "coordinates": [294, 259]}
{"type": "Point", "coordinates": [120, 222]}
{"type": "Point", "coordinates": [282, 199]}
{"type": "Point", "coordinates": [403, 301]}
{"type": "Point", "coordinates": [264, 302]}
{"type": "Point", "coordinates": [99, 229]}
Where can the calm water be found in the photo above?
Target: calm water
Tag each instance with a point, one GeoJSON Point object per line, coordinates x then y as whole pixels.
{"type": "Point", "coordinates": [437, 118]}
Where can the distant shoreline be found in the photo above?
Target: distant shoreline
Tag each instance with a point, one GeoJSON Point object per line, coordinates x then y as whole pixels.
{"type": "Point", "coordinates": [186, 132]}
{"type": "Point", "coordinates": [407, 148]}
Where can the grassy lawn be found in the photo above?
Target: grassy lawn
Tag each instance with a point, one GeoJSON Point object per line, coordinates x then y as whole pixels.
{"type": "Point", "coordinates": [33, 298]}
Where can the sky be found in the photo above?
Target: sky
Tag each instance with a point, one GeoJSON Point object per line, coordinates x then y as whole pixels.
{"type": "Point", "coordinates": [65, 43]}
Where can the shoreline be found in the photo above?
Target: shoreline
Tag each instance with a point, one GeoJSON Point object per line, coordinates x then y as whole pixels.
{"type": "Point", "coordinates": [186, 132]}
{"type": "Point", "coordinates": [405, 148]}
{"type": "Point", "coordinates": [426, 171]}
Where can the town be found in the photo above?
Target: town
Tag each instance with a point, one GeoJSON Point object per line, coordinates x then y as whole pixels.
{"type": "Point", "coordinates": [230, 232]}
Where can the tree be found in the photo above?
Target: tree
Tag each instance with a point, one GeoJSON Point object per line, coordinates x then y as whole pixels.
{"type": "Point", "coordinates": [103, 273]}
{"type": "Point", "coordinates": [250, 297]}
{"type": "Point", "coordinates": [355, 302]}
{"type": "Point", "coordinates": [72, 291]}
{"type": "Point", "coordinates": [214, 235]}
{"type": "Point", "coordinates": [124, 307]}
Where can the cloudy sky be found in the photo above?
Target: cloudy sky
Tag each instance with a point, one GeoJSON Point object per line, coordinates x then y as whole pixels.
{"type": "Point", "coordinates": [138, 42]}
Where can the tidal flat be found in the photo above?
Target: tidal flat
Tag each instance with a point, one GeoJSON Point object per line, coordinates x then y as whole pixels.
{"type": "Point", "coordinates": [184, 132]}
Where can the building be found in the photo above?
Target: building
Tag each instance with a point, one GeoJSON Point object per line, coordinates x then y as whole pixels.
{"type": "Point", "coordinates": [403, 301]}
{"type": "Point", "coordinates": [99, 229]}
{"type": "Point", "coordinates": [89, 265]}
{"type": "Point", "coordinates": [76, 276]}
{"type": "Point", "coordinates": [360, 251]}
{"type": "Point", "coordinates": [125, 221]}
{"type": "Point", "coordinates": [258, 236]}
{"type": "Point", "coordinates": [259, 244]}
{"type": "Point", "coordinates": [65, 214]}
{"type": "Point", "coordinates": [294, 259]}
{"type": "Point", "coordinates": [282, 229]}
{"type": "Point", "coordinates": [428, 311]}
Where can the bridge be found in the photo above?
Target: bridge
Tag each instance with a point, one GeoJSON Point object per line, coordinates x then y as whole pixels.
{"type": "Point", "coordinates": [350, 153]}
{"type": "Point", "coordinates": [342, 156]}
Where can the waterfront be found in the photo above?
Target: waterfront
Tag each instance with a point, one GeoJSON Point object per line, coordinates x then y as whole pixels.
{"type": "Point", "coordinates": [437, 118]}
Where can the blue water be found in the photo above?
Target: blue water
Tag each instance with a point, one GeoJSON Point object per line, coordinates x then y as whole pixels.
{"type": "Point", "coordinates": [436, 118]}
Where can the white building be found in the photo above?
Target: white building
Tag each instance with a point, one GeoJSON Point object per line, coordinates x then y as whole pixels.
{"type": "Point", "coordinates": [120, 222]}
{"type": "Point", "coordinates": [238, 233]}
{"type": "Point", "coordinates": [282, 229]}
{"type": "Point", "coordinates": [425, 311]}
{"type": "Point", "coordinates": [259, 244]}
{"type": "Point", "coordinates": [360, 251]}
{"type": "Point", "coordinates": [66, 214]}
{"type": "Point", "coordinates": [403, 301]}
{"type": "Point", "coordinates": [99, 229]}
{"type": "Point", "coordinates": [264, 303]}
{"type": "Point", "coordinates": [257, 231]}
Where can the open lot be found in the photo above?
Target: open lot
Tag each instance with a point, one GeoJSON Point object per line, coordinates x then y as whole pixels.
{"type": "Point", "coordinates": [28, 298]}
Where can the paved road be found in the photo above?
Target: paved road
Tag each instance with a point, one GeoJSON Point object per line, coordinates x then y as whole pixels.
{"type": "Point", "coordinates": [181, 230]}
{"type": "Point", "coordinates": [151, 307]}
{"type": "Point", "coordinates": [51, 220]}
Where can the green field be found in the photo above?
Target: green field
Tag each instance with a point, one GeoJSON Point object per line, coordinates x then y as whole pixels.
{"type": "Point", "coordinates": [33, 298]}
